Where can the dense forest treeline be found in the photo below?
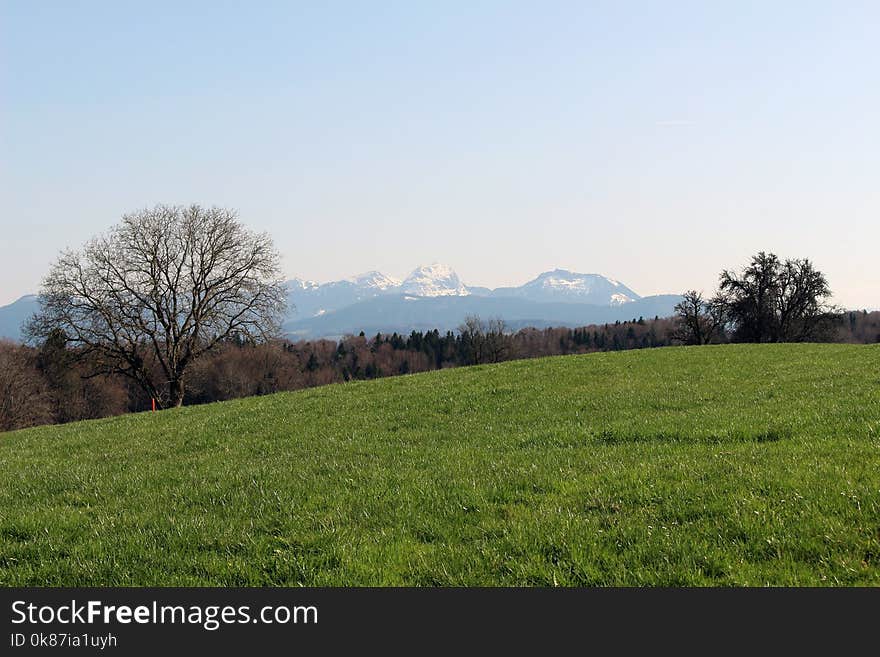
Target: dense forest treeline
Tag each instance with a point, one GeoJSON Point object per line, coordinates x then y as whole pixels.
{"type": "Point", "coordinates": [54, 384]}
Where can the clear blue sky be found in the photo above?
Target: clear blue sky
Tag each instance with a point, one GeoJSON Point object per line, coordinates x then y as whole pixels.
{"type": "Point", "coordinates": [654, 142]}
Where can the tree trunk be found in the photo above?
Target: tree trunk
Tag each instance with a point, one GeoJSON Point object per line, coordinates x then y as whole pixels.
{"type": "Point", "coordinates": [176, 393]}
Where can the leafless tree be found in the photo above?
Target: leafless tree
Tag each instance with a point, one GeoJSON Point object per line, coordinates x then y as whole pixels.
{"type": "Point", "coordinates": [472, 332]}
{"type": "Point", "coordinates": [698, 321]}
{"type": "Point", "coordinates": [498, 340]}
{"type": "Point", "coordinates": [161, 289]}
{"type": "Point", "coordinates": [486, 342]}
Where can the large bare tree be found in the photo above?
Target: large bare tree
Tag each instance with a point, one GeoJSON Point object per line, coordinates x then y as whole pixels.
{"type": "Point", "coordinates": [161, 289]}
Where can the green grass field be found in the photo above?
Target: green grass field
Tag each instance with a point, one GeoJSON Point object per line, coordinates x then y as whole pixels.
{"type": "Point", "coordinates": [732, 465]}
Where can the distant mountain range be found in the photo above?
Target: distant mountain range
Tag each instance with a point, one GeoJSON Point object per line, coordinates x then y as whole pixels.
{"type": "Point", "coordinates": [13, 316]}
{"type": "Point", "coordinates": [433, 296]}
{"type": "Point", "coordinates": [310, 299]}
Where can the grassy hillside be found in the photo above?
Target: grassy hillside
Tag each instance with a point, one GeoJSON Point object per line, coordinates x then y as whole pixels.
{"type": "Point", "coordinates": [716, 465]}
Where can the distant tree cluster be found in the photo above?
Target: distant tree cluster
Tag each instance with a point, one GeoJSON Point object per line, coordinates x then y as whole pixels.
{"type": "Point", "coordinates": [55, 382]}
{"type": "Point", "coordinates": [859, 327]}
{"type": "Point", "coordinates": [47, 385]}
{"type": "Point", "coordinates": [770, 300]}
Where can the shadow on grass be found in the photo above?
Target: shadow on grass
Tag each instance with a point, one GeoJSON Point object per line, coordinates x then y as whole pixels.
{"type": "Point", "coordinates": [631, 437]}
{"type": "Point", "coordinates": [612, 437]}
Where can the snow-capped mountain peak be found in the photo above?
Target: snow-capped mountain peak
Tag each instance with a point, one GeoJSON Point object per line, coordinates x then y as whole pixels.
{"type": "Point", "coordinates": [302, 284]}
{"type": "Point", "coordinates": [562, 279]}
{"type": "Point", "coordinates": [374, 279]}
{"type": "Point", "coordinates": [569, 286]}
{"type": "Point", "coordinates": [434, 280]}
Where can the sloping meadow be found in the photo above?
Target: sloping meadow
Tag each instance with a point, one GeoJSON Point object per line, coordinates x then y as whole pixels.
{"type": "Point", "coordinates": [729, 465]}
